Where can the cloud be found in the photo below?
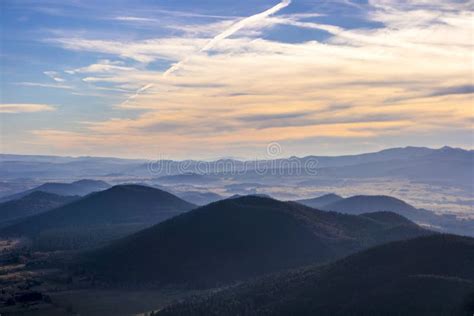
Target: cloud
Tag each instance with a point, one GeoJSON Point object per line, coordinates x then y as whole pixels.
{"type": "Point", "coordinates": [276, 116]}
{"type": "Point", "coordinates": [24, 108]}
{"type": "Point", "coordinates": [102, 66]}
{"type": "Point", "coordinates": [246, 22]}
{"type": "Point", "coordinates": [44, 85]}
{"type": "Point", "coordinates": [133, 19]}
{"type": "Point", "coordinates": [240, 89]}
{"type": "Point", "coordinates": [54, 75]}
{"type": "Point", "coordinates": [437, 92]}
{"type": "Point", "coordinates": [464, 89]}
{"type": "Point", "coordinates": [144, 51]}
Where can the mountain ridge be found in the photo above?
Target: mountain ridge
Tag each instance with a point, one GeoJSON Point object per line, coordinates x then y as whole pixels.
{"type": "Point", "coordinates": [235, 239]}
{"type": "Point", "coordinates": [31, 204]}
{"type": "Point", "coordinates": [80, 188]}
{"type": "Point", "coordinates": [359, 204]}
{"type": "Point", "coordinates": [119, 205]}
{"type": "Point", "coordinates": [410, 277]}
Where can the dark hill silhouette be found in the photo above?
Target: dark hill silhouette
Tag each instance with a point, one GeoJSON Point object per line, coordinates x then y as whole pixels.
{"type": "Point", "coordinates": [321, 201]}
{"type": "Point", "coordinates": [31, 204]}
{"type": "Point", "coordinates": [389, 218]}
{"type": "Point", "coordinates": [431, 275]}
{"type": "Point", "coordinates": [237, 196]}
{"type": "Point", "coordinates": [369, 203]}
{"type": "Point", "coordinates": [81, 188]}
{"type": "Point", "coordinates": [239, 238]}
{"type": "Point", "coordinates": [373, 203]}
{"type": "Point", "coordinates": [119, 205]}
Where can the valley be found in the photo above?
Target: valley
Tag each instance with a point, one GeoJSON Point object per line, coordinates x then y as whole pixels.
{"type": "Point", "coordinates": [229, 244]}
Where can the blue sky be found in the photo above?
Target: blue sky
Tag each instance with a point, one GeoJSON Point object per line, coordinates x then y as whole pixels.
{"type": "Point", "coordinates": [205, 79]}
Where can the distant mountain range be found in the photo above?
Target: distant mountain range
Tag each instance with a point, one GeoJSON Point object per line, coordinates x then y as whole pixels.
{"type": "Point", "coordinates": [454, 167]}
{"type": "Point", "coordinates": [374, 203]}
{"type": "Point", "coordinates": [370, 203]}
{"type": "Point", "coordinates": [321, 201]}
{"type": "Point", "coordinates": [431, 275]}
{"type": "Point", "coordinates": [131, 206]}
{"type": "Point", "coordinates": [240, 238]}
{"type": "Point", "coordinates": [34, 203]}
{"type": "Point", "coordinates": [80, 188]}
{"type": "Point", "coordinates": [199, 198]}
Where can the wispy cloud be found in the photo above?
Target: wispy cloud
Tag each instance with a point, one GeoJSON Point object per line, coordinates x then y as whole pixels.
{"type": "Point", "coordinates": [144, 51]}
{"type": "Point", "coordinates": [24, 108]}
{"type": "Point", "coordinates": [464, 89]}
{"type": "Point", "coordinates": [251, 20]}
{"type": "Point", "coordinates": [133, 19]}
{"type": "Point", "coordinates": [102, 66]}
{"type": "Point", "coordinates": [229, 84]}
{"type": "Point", "coordinates": [44, 85]}
{"type": "Point", "coordinates": [54, 75]}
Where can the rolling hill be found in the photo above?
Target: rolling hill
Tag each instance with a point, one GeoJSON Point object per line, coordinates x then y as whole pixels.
{"type": "Point", "coordinates": [369, 203]}
{"type": "Point", "coordinates": [240, 238]}
{"type": "Point", "coordinates": [431, 275]}
{"type": "Point", "coordinates": [81, 188]}
{"type": "Point", "coordinates": [373, 203]}
{"type": "Point", "coordinates": [116, 207]}
{"type": "Point", "coordinates": [321, 201]}
{"type": "Point", "coordinates": [31, 204]}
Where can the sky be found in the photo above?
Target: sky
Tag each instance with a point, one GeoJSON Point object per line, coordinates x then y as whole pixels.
{"type": "Point", "coordinates": [205, 79]}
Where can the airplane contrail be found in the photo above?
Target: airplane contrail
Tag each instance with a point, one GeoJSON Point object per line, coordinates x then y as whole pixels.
{"type": "Point", "coordinates": [226, 33]}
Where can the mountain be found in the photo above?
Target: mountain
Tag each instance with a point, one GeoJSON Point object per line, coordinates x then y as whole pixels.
{"type": "Point", "coordinates": [109, 209]}
{"type": "Point", "coordinates": [454, 167]}
{"type": "Point", "coordinates": [81, 188]}
{"type": "Point", "coordinates": [199, 198]}
{"type": "Point", "coordinates": [31, 204]}
{"type": "Point", "coordinates": [321, 201]}
{"type": "Point", "coordinates": [237, 196]}
{"type": "Point", "coordinates": [47, 167]}
{"type": "Point", "coordinates": [240, 238]}
{"type": "Point", "coordinates": [431, 275]}
{"type": "Point", "coordinates": [369, 203]}
{"type": "Point", "coordinates": [372, 203]}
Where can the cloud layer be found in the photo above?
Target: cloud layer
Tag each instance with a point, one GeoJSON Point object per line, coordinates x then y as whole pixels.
{"type": "Point", "coordinates": [24, 108]}
{"type": "Point", "coordinates": [228, 87]}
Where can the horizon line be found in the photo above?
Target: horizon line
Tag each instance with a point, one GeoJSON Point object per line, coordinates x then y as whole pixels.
{"type": "Point", "coordinates": [236, 159]}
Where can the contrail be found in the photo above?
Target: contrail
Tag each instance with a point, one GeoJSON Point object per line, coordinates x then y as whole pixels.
{"type": "Point", "coordinates": [226, 33]}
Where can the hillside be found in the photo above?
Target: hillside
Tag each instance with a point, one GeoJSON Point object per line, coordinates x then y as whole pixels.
{"type": "Point", "coordinates": [31, 204]}
{"type": "Point", "coordinates": [369, 203]}
{"type": "Point", "coordinates": [373, 203]}
{"type": "Point", "coordinates": [321, 201]}
{"type": "Point", "coordinates": [431, 275]}
{"type": "Point", "coordinates": [119, 205]}
{"type": "Point", "coordinates": [240, 238]}
{"type": "Point", "coordinates": [81, 188]}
